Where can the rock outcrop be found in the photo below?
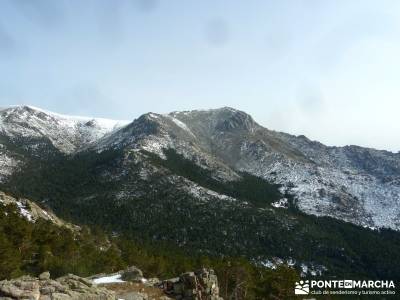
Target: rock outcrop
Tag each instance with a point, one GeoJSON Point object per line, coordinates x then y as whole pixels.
{"type": "Point", "coordinates": [132, 274]}
{"type": "Point", "coordinates": [199, 285]}
{"type": "Point", "coordinates": [69, 287]}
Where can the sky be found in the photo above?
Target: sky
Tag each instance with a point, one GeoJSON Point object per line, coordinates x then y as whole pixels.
{"type": "Point", "coordinates": [327, 69]}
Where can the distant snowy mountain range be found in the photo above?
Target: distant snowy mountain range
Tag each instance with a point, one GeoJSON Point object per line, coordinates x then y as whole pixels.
{"type": "Point", "coordinates": [66, 133]}
{"type": "Point", "coordinates": [351, 183]}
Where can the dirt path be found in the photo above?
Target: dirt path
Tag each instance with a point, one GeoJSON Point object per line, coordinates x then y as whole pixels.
{"type": "Point", "coordinates": [134, 290]}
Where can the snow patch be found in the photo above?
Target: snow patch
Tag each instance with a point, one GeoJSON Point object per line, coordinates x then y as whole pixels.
{"type": "Point", "coordinates": [7, 166]}
{"type": "Point", "coordinates": [26, 213]}
{"type": "Point", "coordinates": [203, 193]}
{"type": "Point", "coordinates": [66, 133]}
{"type": "Point", "coordinates": [181, 125]}
{"type": "Point", "coordinates": [269, 264]}
{"type": "Point", "coordinates": [154, 116]}
{"type": "Point", "coordinates": [156, 145]}
{"type": "Point", "coordinates": [281, 203]}
{"type": "Point", "coordinates": [108, 279]}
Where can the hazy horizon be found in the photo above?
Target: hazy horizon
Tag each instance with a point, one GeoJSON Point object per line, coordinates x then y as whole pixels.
{"type": "Point", "coordinates": [325, 70]}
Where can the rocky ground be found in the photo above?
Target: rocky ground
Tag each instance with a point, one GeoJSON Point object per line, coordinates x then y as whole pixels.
{"type": "Point", "coordinates": [128, 284]}
{"type": "Point", "coordinates": [45, 288]}
{"type": "Point", "coordinates": [136, 291]}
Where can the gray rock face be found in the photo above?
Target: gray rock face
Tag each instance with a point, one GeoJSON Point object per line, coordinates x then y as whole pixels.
{"type": "Point", "coordinates": [132, 274]}
{"type": "Point", "coordinates": [23, 288]}
{"type": "Point", "coordinates": [152, 281]}
{"type": "Point", "coordinates": [199, 285]}
{"type": "Point", "coordinates": [44, 276]}
{"type": "Point", "coordinates": [69, 287]}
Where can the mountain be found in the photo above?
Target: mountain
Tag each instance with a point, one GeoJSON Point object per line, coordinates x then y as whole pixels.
{"type": "Point", "coordinates": [351, 183]}
{"type": "Point", "coordinates": [213, 182]}
{"type": "Point", "coordinates": [66, 133]}
{"type": "Point", "coordinates": [27, 131]}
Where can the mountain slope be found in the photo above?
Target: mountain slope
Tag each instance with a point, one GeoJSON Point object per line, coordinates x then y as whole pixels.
{"type": "Point", "coordinates": [146, 197]}
{"type": "Point", "coordinates": [351, 183]}
{"type": "Point", "coordinates": [27, 131]}
{"type": "Point", "coordinates": [215, 182]}
{"type": "Point", "coordinates": [32, 212]}
{"type": "Point", "coordinates": [35, 245]}
{"type": "Point", "coordinates": [66, 133]}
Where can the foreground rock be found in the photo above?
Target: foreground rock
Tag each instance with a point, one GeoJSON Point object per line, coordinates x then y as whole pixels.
{"type": "Point", "coordinates": [132, 274]}
{"type": "Point", "coordinates": [64, 288]}
{"type": "Point", "coordinates": [199, 285]}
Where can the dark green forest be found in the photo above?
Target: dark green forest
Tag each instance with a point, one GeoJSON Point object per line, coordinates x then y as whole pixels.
{"type": "Point", "coordinates": [31, 248]}
{"type": "Point", "coordinates": [250, 188]}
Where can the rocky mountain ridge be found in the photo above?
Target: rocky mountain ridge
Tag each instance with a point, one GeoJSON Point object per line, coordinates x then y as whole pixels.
{"type": "Point", "coordinates": [351, 183]}
{"type": "Point", "coordinates": [66, 133]}
{"type": "Point", "coordinates": [32, 212]}
{"type": "Point", "coordinates": [35, 129]}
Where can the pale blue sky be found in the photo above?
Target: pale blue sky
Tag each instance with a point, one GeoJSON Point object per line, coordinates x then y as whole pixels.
{"type": "Point", "coordinates": [326, 69]}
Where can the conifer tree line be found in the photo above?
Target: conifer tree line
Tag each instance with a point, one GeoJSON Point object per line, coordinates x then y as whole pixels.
{"type": "Point", "coordinates": [34, 247]}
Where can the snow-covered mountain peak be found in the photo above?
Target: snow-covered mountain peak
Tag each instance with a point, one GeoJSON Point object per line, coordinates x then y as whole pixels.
{"type": "Point", "coordinates": [225, 118]}
{"type": "Point", "coordinates": [27, 112]}
{"type": "Point", "coordinates": [351, 183]}
{"type": "Point", "coordinates": [355, 184]}
{"type": "Point", "coordinates": [66, 133]}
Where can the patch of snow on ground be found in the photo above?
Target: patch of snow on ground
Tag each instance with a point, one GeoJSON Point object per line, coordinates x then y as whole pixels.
{"type": "Point", "coordinates": [205, 194]}
{"type": "Point", "coordinates": [156, 145]}
{"type": "Point", "coordinates": [153, 116]}
{"type": "Point", "coordinates": [48, 215]}
{"type": "Point", "coordinates": [109, 279]}
{"type": "Point", "coordinates": [180, 124]}
{"type": "Point", "coordinates": [269, 264]}
{"type": "Point", "coordinates": [7, 165]}
{"type": "Point", "coordinates": [26, 213]}
{"type": "Point", "coordinates": [281, 203]}
{"type": "Point", "coordinates": [304, 269]}
{"type": "Point", "coordinates": [274, 262]}
{"type": "Point", "coordinates": [313, 270]}
{"type": "Point", "coordinates": [103, 122]}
